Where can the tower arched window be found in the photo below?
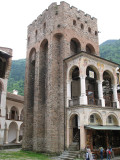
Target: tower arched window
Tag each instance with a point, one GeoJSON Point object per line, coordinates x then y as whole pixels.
{"type": "Point", "coordinates": [2, 68]}
{"type": "Point", "coordinates": [74, 22]}
{"type": "Point", "coordinates": [75, 46]}
{"type": "Point", "coordinates": [82, 26]}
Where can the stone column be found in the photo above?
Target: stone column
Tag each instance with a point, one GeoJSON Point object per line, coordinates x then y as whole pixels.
{"type": "Point", "coordinates": [115, 95]}
{"type": "Point", "coordinates": [9, 115]}
{"type": "Point", "coordinates": [83, 97]}
{"type": "Point", "coordinates": [100, 93]}
{"type": "Point", "coordinates": [82, 138]}
{"type": "Point", "coordinates": [68, 137]}
{"type": "Point", "coordinates": [6, 136]}
{"type": "Point", "coordinates": [68, 92]}
{"type": "Point", "coordinates": [17, 136]}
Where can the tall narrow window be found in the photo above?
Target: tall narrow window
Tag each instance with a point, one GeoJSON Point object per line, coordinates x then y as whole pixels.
{"type": "Point", "coordinates": [0, 92]}
{"type": "Point", "coordinates": [36, 33]}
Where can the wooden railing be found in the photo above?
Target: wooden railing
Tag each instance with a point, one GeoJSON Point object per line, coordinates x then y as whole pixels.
{"type": "Point", "coordinates": [109, 103]}
{"type": "Point", "coordinates": [93, 101]}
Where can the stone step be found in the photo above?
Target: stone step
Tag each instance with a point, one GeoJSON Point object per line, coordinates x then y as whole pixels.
{"type": "Point", "coordinates": [72, 155]}
{"type": "Point", "coordinates": [69, 155]}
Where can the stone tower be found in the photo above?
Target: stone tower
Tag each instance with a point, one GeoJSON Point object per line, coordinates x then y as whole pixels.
{"type": "Point", "coordinates": [58, 33]}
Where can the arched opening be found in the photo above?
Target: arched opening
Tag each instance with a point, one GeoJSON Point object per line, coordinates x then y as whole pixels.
{"type": "Point", "coordinates": [75, 129]}
{"type": "Point", "coordinates": [97, 136]}
{"type": "Point", "coordinates": [21, 133]}
{"type": "Point", "coordinates": [92, 86]}
{"type": "Point", "coordinates": [113, 138]}
{"type": "Point", "coordinates": [112, 120]}
{"type": "Point", "coordinates": [75, 86]}
{"type": "Point", "coordinates": [107, 89]}
{"type": "Point", "coordinates": [90, 49]}
{"type": "Point", "coordinates": [43, 69]}
{"type": "Point", "coordinates": [12, 132]}
{"type": "Point", "coordinates": [2, 68]}
{"type": "Point", "coordinates": [95, 119]}
{"type": "Point", "coordinates": [75, 46]}
{"type": "Point", "coordinates": [14, 114]}
{"type": "Point", "coordinates": [31, 77]}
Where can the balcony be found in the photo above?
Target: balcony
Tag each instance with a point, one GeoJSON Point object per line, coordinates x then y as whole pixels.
{"type": "Point", "coordinates": [93, 101]}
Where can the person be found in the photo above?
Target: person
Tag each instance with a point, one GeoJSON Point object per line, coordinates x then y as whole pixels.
{"type": "Point", "coordinates": [87, 156]}
{"type": "Point", "coordinates": [110, 152]}
{"type": "Point", "coordinates": [101, 153]}
{"type": "Point", "coordinates": [89, 153]}
{"type": "Point", "coordinates": [107, 152]}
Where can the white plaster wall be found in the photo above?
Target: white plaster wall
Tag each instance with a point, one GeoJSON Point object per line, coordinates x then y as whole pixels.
{"type": "Point", "coordinates": [12, 132]}
{"type": "Point", "coordinates": [84, 113]}
{"type": "Point", "coordinates": [1, 136]}
{"type": "Point", "coordinates": [3, 109]}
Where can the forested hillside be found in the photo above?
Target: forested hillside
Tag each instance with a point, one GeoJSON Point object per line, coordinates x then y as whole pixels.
{"type": "Point", "coordinates": [109, 50]}
{"type": "Point", "coordinates": [17, 76]}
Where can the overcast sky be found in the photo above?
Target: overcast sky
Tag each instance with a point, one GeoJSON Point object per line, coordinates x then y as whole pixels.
{"type": "Point", "coordinates": [16, 15]}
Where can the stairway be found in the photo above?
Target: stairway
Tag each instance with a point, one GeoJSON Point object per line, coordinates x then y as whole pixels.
{"type": "Point", "coordinates": [77, 137]}
{"type": "Point", "coordinates": [71, 153]}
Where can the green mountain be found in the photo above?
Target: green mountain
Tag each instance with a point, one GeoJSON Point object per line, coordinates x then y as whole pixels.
{"type": "Point", "coordinates": [110, 50]}
{"type": "Point", "coordinates": [17, 76]}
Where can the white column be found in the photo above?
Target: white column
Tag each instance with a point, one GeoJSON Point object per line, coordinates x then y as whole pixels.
{"type": "Point", "coordinates": [100, 93]}
{"type": "Point", "coordinates": [6, 136]}
{"type": "Point", "coordinates": [68, 92]}
{"type": "Point", "coordinates": [9, 115]}
{"type": "Point", "coordinates": [115, 95]}
{"type": "Point", "coordinates": [82, 137]}
{"type": "Point", "coordinates": [17, 136]}
{"type": "Point", "coordinates": [83, 97]}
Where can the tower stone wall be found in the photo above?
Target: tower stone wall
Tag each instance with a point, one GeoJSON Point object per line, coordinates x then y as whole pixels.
{"type": "Point", "coordinates": [60, 32]}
